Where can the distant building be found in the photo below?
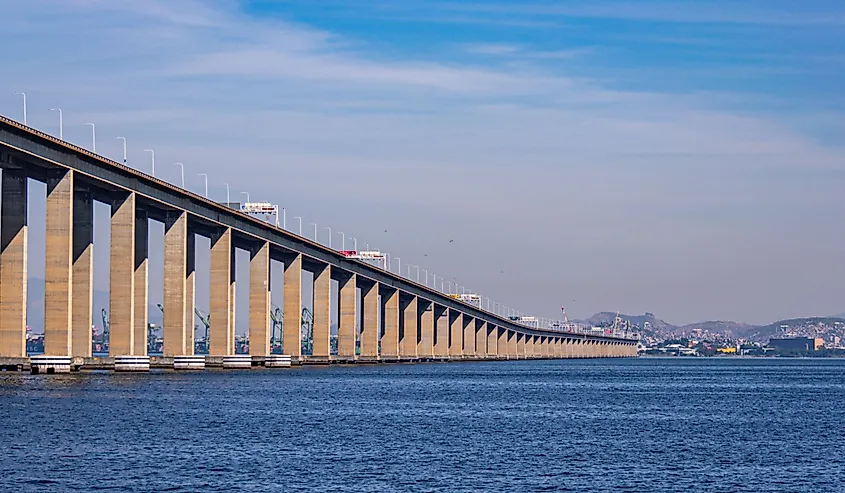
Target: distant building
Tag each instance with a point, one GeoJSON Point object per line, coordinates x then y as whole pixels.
{"type": "Point", "coordinates": [797, 344]}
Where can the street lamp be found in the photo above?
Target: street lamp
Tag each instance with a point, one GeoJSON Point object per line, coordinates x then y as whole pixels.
{"type": "Point", "coordinates": [182, 167]}
{"type": "Point", "coordinates": [300, 224]}
{"type": "Point", "coordinates": [426, 277]}
{"type": "Point", "coordinates": [399, 264]}
{"type": "Point", "coordinates": [315, 231]}
{"type": "Point", "coordinates": [342, 240]}
{"type": "Point", "coordinates": [355, 244]}
{"type": "Point", "coordinates": [61, 123]}
{"type": "Point", "coordinates": [124, 156]}
{"type": "Point", "coordinates": [387, 261]}
{"type": "Point", "coordinates": [330, 235]}
{"type": "Point", "coordinates": [24, 105]}
{"type": "Point", "coordinates": [418, 272]}
{"type": "Point", "coordinates": [206, 183]}
{"type": "Point", "coordinates": [284, 219]}
{"type": "Point", "coordinates": [153, 156]}
{"type": "Point", "coordinates": [93, 137]}
{"type": "Point", "coordinates": [227, 194]}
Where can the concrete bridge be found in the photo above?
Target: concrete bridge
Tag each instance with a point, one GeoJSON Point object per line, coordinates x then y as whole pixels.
{"type": "Point", "coordinates": [399, 320]}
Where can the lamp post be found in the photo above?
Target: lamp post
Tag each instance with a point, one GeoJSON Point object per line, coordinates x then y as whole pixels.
{"type": "Point", "coordinates": [206, 183]}
{"type": "Point", "coordinates": [418, 272]}
{"type": "Point", "coordinates": [93, 137]}
{"type": "Point", "coordinates": [399, 264]}
{"type": "Point", "coordinates": [284, 219]}
{"type": "Point", "coordinates": [61, 123]}
{"type": "Point", "coordinates": [342, 240]}
{"type": "Point", "coordinates": [300, 224]}
{"type": "Point", "coordinates": [387, 261]}
{"type": "Point", "coordinates": [24, 105]}
{"type": "Point", "coordinates": [124, 155]}
{"type": "Point", "coordinates": [355, 244]}
{"type": "Point", "coordinates": [315, 231]}
{"type": "Point", "coordinates": [426, 277]}
{"type": "Point", "coordinates": [330, 235]}
{"type": "Point", "coordinates": [153, 157]}
{"type": "Point", "coordinates": [227, 194]}
{"type": "Point", "coordinates": [182, 168]}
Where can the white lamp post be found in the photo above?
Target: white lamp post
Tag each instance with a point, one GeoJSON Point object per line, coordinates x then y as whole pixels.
{"type": "Point", "coordinates": [153, 157]}
{"type": "Point", "coordinates": [24, 105]}
{"type": "Point", "coordinates": [182, 167]}
{"type": "Point", "coordinates": [204, 175]}
{"type": "Point", "coordinates": [61, 123]}
{"type": "Point", "coordinates": [93, 137]}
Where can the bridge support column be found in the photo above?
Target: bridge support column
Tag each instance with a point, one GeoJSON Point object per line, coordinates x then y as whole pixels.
{"type": "Point", "coordinates": [13, 264]}
{"type": "Point", "coordinates": [492, 341]}
{"type": "Point", "coordinates": [502, 349]}
{"type": "Point", "coordinates": [142, 281]}
{"type": "Point", "coordinates": [408, 329]}
{"type": "Point", "coordinates": [322, 311]}
{"type": "Point", "coordinates": [558, 347]}
{"type": "Point", "coordinates": [425, 349]}
{"type": "Point", "coordinates": [58, 272]}
{"type": "Point", "coordinates": [441, 344]}
{"type": "Point", "coordinates": [370, 325]}
{"type": "Point", "coordinates": [122, 278]}
{"type": "Point", "coordinates": [83, 273]}
{"type": "Point", "coordinates": [390, 339]}
{"type": "Point", "coordinates": [520, 346]}
{"type": "Point", "coordinates": [346, 331]}
{"type": "Point", "coordinates": [468, 327]}
{"type": "Point", "coordinates": [221, 280]}
{"type": "Point", "coordinates": [456, 335]}
{"type": "Point", "coordinates": [292, 338]}
{"type": "Point", "coordinates": [480, 327]}
{"type": "Point", "coordinates": [190, 291]}
{"type": "Point", "coordinates": [259, 301]}
{"type": "Point", "coordinates": [175, 284]}
{"type": "Point", "coordinates": [513, 349]}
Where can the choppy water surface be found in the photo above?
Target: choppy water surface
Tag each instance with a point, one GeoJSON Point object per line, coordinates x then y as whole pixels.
{"type": "Point", "coordinates": [625, 425]}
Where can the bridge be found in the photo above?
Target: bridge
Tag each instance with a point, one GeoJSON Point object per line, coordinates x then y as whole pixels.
{"type": "Point", "coordinates": [398, 319]}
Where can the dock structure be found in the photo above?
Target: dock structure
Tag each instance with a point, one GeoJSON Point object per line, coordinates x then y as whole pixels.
{"type": "Point", "coordinates": [382, 316]}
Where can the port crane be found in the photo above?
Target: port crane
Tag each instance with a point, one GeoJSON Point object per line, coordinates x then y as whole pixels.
{"type": "Point", "coordinates": [105, 316]}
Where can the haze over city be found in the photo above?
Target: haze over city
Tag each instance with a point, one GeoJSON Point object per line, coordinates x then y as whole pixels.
{"type": "Point", "coordinates": [683, 159]}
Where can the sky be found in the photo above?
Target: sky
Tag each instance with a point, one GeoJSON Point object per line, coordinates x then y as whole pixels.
{"type": "Point", "coordinates": [683, 158]}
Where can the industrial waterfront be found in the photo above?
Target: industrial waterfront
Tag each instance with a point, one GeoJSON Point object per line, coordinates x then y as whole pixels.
{"type": "Point", "coordinates": [657, 425]}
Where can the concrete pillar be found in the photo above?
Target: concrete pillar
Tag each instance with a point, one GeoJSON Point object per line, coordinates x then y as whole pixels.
{"type": "Point", "coordinates": [322, 312]}
{"type": "Point", "coordinates": [292, 340]}
{"type": "Point", "coordinates": [220, 293]}
{"type": "Point", "coordinates": [558, 347]}
{"type": "Point", "coordinates": [492, 341]}
{"type": "Point", "coordinates": [481, 339]}
{"type": "Point", "coordinates": [468, 327]}
{"type": "Point", "coordinates": [122, 278]}
{"type": "Point", "coordinates": [175, 277]}
{"type": "Point", "coordinates": [141, 279]}
{"type": "Point", "coordinates": [370, 325]}
{"type": "Point", "coordinates": [13, 257]}
{"type": "Point", "coordinates": [190, 291]}
{"type": "Point", "coordinates": [520, 346]}
{"type": "Point", "coordinates": [456, 334]}
{"type": "Point", "coordinates": [390, 339]}
{"type": "Point", "coordinates": [259, 300]}
{"type": "Point", "coordinates": [409, 329]}
{"type": "Point", "coordinates": [58, 271]}
{"type": "Point", "coordinates": [346, 335]}
{"type": "Point", "coordinates": [513, 344]}
{"type": "Point", "coordinates": [502, 342]}
{"type": "Point", "coordinates": [425, 349]}
{"type": "Point", "coordinates": [83, 273]}
{"type": "Point", "coordinates": [441, 322]}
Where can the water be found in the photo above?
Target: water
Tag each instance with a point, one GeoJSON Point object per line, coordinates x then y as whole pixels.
{"type": "Point", "coordinates": [648, 425]}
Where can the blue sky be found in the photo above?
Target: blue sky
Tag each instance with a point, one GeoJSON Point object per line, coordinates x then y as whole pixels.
{"type": "Point", "coordinates": [683, 158]}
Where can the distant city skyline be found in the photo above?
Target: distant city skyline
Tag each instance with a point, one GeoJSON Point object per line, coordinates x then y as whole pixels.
{"type": "Point", "coordinates": [685, 161]}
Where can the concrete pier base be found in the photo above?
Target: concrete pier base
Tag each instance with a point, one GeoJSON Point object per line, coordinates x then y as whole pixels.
{"type": "Point", "coordinates": [277, 361]}
{"type": "Point", "coordinates": [47, 365]}
{"type": "Point", "coordinates": [189, 362]}
{"type": "Point", "coordinates": [132, 363]}
{"type": "Point", "coordinates": [237, 362]}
